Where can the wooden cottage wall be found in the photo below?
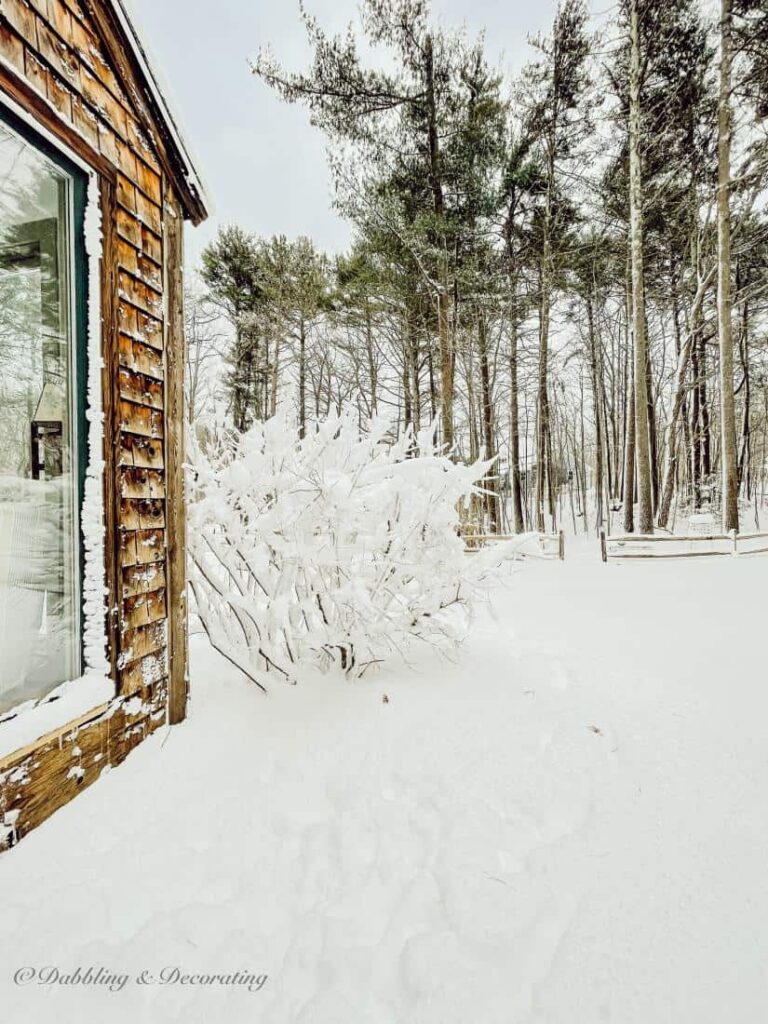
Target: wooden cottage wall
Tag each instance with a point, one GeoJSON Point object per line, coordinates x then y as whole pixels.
{"type": "Point", "coordinates": [55, 65]}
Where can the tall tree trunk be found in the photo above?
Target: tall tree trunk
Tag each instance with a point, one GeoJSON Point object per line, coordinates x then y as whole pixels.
{"type": "Point", "coordinates": [744, 437]}
{"type": "Point", "coordinates": [407, 406]}
{"type": "Point", "coordinates": [629, 432]}
{"type": "Point", "coordinates": [303, 379]}
{"type": "Point", "coordinates": [625, 395]}
{"type": "Point", "coordinates": [728, 458]}
{"type": "Point", "coordinates": [706, 421]}
{"type": "Point", "coordinates": [605, 418]}
{"type": "Point", "coordinates": [551, 492]}
{"type": "Point", "coordinates": [489, 431]}
{"type": "Point", "coordinates": [432, 388]}
{"type": "Point", "coordinates": [514, 430]}
{"type": "Point", "coordinates": [413, 354]}
{"type": "Point", "coordinates": [275, 379]}
{"type": "Point", "coordinates": [264, 378]}
{"type": "Point", "coordinates": [515, 479]}
{"type": "Point", "coordinates": [685, 351]}
{"type": "Point", "coordinates": [443, 295]}
{"type": "Point", "coordinates": [642, 436]}
{"type": "Point", "coordinates": [240, 378]}
{"type": "Point", "coordinates": [596, 403]}
{"type": "Point", "coordinates": [372, 369]}
{"type": "Point", "coordinates": [696, 423]}
{"type": "Point", "coordinates": [652, 440]}
{"type": "Point", "coordinates": [542, 394]}
{"type": "Point", "coordinates": [474, 433]}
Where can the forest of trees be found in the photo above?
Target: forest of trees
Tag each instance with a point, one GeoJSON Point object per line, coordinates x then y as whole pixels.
{"type": "Point", "coordinates": [570, 269]}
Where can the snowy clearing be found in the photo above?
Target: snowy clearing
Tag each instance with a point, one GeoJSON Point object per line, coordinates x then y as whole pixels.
{"type": "Point", "coordinates": [567, 826]}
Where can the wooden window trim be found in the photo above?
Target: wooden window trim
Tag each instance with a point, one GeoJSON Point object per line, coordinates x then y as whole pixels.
{"type": "Point", "coordinates": [21, 92]}
{"type": "Point", "coordinates": [175, 428]}
{"type": "Point", "coordinates": [57, 153]}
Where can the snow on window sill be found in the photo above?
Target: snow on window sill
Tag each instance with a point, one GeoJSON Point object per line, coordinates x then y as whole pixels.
{"type": "Point", "coordinates": [28, 722]}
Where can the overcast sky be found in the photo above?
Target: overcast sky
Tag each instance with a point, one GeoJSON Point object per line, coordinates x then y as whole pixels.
{"type": "Point", "coordinates": [263, 163]}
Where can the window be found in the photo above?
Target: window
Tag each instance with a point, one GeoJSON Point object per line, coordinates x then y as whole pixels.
{"type": "Point", "coordinates": [42, 284]}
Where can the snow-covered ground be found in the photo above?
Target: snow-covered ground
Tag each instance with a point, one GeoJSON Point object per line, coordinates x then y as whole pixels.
{"type": "Point", "coordinates": [569, 825]}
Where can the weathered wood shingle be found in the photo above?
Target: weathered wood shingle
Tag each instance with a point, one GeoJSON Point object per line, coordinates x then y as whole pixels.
{"type": "Point", "coordinates": [62, 61]}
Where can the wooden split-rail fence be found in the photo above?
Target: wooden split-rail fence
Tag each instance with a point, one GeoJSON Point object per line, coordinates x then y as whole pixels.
{"type": "Point", "coordinates": [688, 546]}
{"type": "Point", "coordinates": [549, 546]}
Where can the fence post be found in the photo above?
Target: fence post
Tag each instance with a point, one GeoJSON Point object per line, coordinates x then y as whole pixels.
{"type": "Point", "coordinates": [735, 539]}
{"type": "Point", "coordinates": [561, 545]}
{"type": "Point", "coordinates": [603, 550]}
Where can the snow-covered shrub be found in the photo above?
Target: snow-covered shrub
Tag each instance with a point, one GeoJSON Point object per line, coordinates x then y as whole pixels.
{"type": "Point", "coordinates": [340, 548]}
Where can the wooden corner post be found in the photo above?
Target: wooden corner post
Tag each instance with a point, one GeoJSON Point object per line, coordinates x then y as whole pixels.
{"type": "Point", "coordinates": [175, 454]}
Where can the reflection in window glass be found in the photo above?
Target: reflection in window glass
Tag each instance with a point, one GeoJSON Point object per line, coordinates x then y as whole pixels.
{"type": "Point", "coordinates": [39, 617]}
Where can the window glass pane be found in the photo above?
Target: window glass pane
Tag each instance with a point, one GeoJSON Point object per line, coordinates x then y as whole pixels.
{"type": "Point", "coordinates": [39, 573]}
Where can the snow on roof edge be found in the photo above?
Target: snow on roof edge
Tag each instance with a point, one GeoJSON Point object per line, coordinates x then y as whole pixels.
{"type": "Point", "coordinates": [127, 16]}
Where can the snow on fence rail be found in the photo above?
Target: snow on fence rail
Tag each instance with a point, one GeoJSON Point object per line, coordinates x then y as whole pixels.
{"type": "Point", "coordinates": [531, 545]}
{"type": "Point", "coordinates": [690, 546]}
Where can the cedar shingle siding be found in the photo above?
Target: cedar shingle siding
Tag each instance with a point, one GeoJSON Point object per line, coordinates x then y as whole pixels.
{"type": "Point", "coordinates": [61, 62]}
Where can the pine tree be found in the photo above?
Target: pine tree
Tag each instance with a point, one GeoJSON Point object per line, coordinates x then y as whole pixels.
{"type": "Point", "coordinates": [412, 110]}
{"type": "Point", "coordinates": [230, 270]}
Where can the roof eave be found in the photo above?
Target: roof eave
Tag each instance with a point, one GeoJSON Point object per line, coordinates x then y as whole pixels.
{"type": "Point", "coordinates": [122, 39]}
